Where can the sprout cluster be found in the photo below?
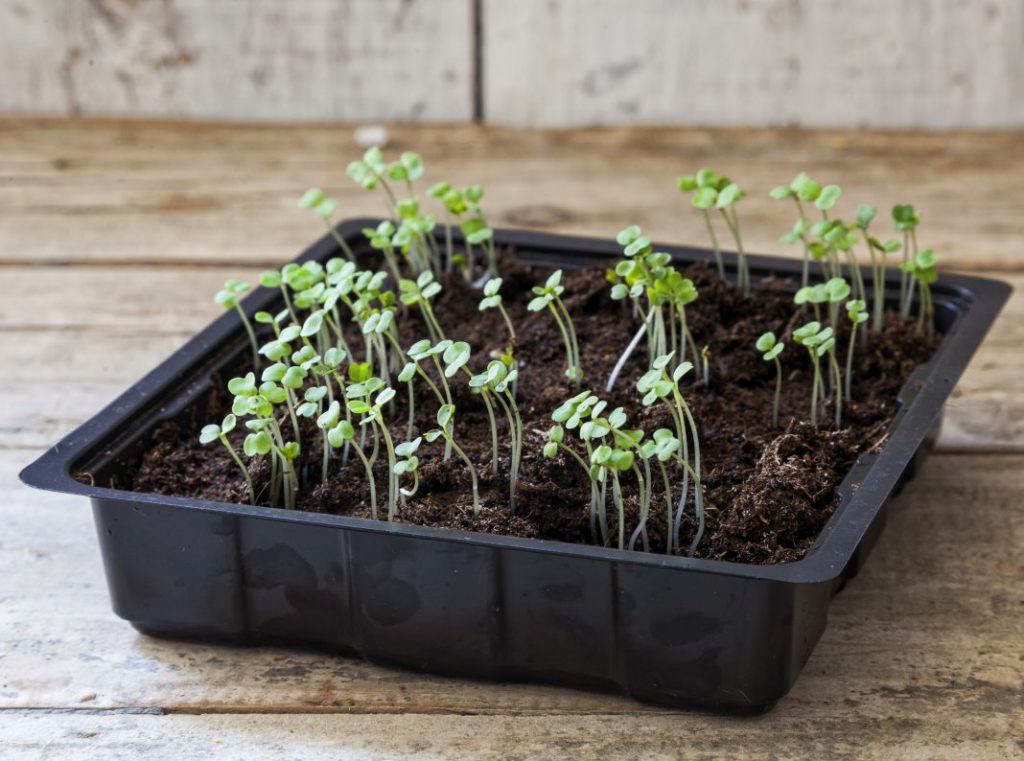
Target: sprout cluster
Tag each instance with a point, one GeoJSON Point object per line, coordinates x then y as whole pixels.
{"type": "Point", "coordinates": [608, 451]}
{"type": "Point", "coordinates": [330, 362]}
{"type": "Point", "coordinates": [658, 294]}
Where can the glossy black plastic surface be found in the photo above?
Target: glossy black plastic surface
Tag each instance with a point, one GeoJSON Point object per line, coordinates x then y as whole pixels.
{"type": "Point", "coordinates": [673, 631]}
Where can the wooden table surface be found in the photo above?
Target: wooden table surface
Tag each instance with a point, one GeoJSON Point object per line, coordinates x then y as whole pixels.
{"type": "Point", "coordinates": [115, 235]}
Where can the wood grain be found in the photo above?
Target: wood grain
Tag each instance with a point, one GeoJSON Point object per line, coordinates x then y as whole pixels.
{"type": "Point", "coordinates": [317, 60]}
{"type": "Point", "coordinates": [769, 62]}
{"type": "Point", "coordinates": [252, 737]}
{"type": "Point", "coordinates": [155, 192]}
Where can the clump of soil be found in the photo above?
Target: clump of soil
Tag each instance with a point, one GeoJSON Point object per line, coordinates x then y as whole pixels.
{"type": "Point", "coordinates": [767, 492]}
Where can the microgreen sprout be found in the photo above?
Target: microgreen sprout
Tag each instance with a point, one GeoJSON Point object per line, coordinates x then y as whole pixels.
{"type": "Point", "coordinates": [549, 296]}
{"type": "Point", "coordinates": [856, 310]}
{"type": "Point", "coordinates": [582, 412]}
{"type": "Point", "coordinates": [314, 200]}
{"type": "Point", "coordinates": [905, 220]}
{"type": "Point", "coordinates": [807, 336]}
{"type": "Point", "coordinates": [408, 465]}
{"type": "Point", "coordinates": [770, 348]}
{"type": "Point", "coordinates": [445, 422]}
{"type": "Point", "coordinates": [879, 251]}
{"type": "Point", "coordinates": [922, 269]}
{"type": "Point", "coordinates": [837, 290]}
{"type": "Point", "coordinates": [265, 435]}
{"type": "Point", "coordinates": [229, 298]}
{"type": "Point", "coordinates": [662, 446]}
{"type": "Point", "coordinates": [341, 433]}
{"type": "Point", "coordinates": [820, 342]}
{"type": "Point", "coordinates": [380, 239]}
{"type": "Point", "coordinates": [367, 399]}
{"type": "Point", "coordinates": [476, 232]}
{"type": "Point", "coordinates": [496, 381]}
{"type": "Point", "coordinates": [492, 300]}
{"type": "Point", "coordinates": [214, 432]}
{"type": "Point", "coordinates": [414, 233]}
{"type": "Point", "coordinates": [660, 385]}
{"type": "Point", "coordinates": [615, 460]}
{"type": "Point", "coordinates": [802, 190]}
{"type": "Point", "coordinates": [646, 273]}
{"type": "Point", "coordinates": [815, 295]}
{"type": "Point", "coordinates": [419, 292]}
{"type": "Point", "coordinates": [711, 191]}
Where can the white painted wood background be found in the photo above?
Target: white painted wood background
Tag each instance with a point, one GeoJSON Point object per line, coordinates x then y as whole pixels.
{"type": "Point", "coordinates": [886, 63]}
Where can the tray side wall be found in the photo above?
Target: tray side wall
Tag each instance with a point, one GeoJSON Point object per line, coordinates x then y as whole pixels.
{"type": "Point", "coordinates": [658, 634]}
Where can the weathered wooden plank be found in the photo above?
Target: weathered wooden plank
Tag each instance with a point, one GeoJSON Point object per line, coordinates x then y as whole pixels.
{"type": "Point", "coordinates": [840, 736]}
{"type": "Point", "coordinates": [94, 330]}
{"type": "Point", "coordinates": [922, 650]}
{"type": "Point", "coordinates": [92, 191]}
{"type": "Point", "coordinates": [316, 60]}
{"type": "Point", "coordinates": [772, 62]}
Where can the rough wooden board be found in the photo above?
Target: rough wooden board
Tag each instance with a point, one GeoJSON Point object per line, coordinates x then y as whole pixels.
{"type": "Point", "coordinates": [824, 63]}
{"type": "Point", "coordinates": [314, 60]}
{"type": "Point", "coordinates": [924, 651]}
{"type": "Point", "coordinates": [104, 327]}
{"type": "Point", "coordinates": [87, 191]}
{"type": "Point", "coordinates": [488, 738]}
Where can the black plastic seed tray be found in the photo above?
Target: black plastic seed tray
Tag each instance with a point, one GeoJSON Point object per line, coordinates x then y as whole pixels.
{"type": "Point", "coordinates": [667, 630]}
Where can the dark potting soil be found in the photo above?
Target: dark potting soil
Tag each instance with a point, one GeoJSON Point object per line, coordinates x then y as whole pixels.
{"type": "Point", "coordinates": [767, 492]}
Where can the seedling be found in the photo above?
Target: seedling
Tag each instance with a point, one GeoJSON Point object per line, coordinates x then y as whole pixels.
{"type": "Point", "coordinates": [492, 300]}
{"type": "Point", "coordinates": [419, 292]}
{"type": "Point", "coordinates": [414, 232]}
{"type": "Point", "coordinates": [314, 200]}
{"type": "Point", "coordinates": [878, 251]}
{"type": "Point", "coordinates": [856, 311]}
{"type": "Point", "coordinates": [837, 290]}
{"type": "Point", "coordinates": [820, 342]}
{"type": "Point", "coordinates": [583, 411]}
{"type": "Point", "coordinates": [662, 447]}
{"type": "Point", "coordinates": [341, 433]}
{"type": "Point", "coordinates": [445, 422]}
{"type": "Point", "coordinates": [408, 465]}
{"type": "Point", "coordinates": [905, 220]}
{"type": "Point", "coordinates": [704, 201]}
{"type": "Point", "coordinates": [214, 432]}
{"type": "Point", "coordinates": [658, 385]}
{"type": "Point", "coordinates": [549, 296]}
{"type": "Point", "coordinates": [802, 190]}
{"type": "Point", "coordinates": [367, 399]}
{"type": "Point", "coordinates": [441, 190]}
{"type": "Point", "coordinates": [497, 381]}
{"type": "Point", "coordinates": [619, 458]}
{"type": "Point", "coordinates": [265, 435]}
{"type": "Point", "coordinates": [808, 337]}
{"type": "Point", "coordinates": [922, 269]}
{"type": "Point", "coordinates": [770, 348]}
{"type": "Point", "coordinates": [228, 297]}
{"type": "Point", "coordinates": [713, 192]}
{"type": "Point", "coordinates": [647, 273]}
{"type": "Point", "coordinates": [815, 295]}
{"type": "Point", "coordinates": [476, 232]}
{"type": "Point", "coordinates": [380, 238]}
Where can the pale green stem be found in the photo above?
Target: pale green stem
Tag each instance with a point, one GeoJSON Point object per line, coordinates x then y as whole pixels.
{"type": "Point", "coordinates": [252, 337]}
{"type": "Point", "coordinates": [714, 243]}
{"type": "Point", "coordinates": [241, 465]}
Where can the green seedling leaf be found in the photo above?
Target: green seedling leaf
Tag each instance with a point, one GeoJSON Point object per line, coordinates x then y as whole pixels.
{"type": "Point", "coordinates": [209, 433]}
{"type": "Point", "coordinates": [828, 197]}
